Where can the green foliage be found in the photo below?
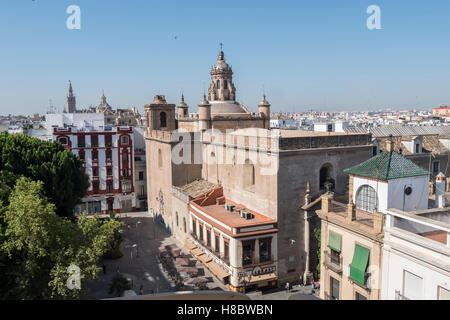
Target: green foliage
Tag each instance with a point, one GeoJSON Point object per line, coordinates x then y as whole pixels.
{"type": "Point", "coordinates": [60, 170]}
{"type": "Point", "coordinates": [37, 246]}
{"type": "Point", "coordinates": [119, 285]}
{"type": "Point", "coordinates": [317, 235]}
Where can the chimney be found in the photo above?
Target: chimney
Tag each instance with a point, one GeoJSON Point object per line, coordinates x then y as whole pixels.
{"type": "Point", "coordinates": [389, 144]}
{"type": "Point", "coordinates": [439, 201]}
{"type": "Point", "coordinates": [378, 222]}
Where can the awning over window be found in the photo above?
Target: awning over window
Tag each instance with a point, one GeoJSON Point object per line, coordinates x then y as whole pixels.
{"type": "Point", "coordinates": [334, 242]}
{"type": "Point", "coordinates": [359, 264]}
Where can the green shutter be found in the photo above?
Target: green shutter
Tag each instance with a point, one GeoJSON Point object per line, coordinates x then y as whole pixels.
{"type": "Point", "coordinates": [334, 242]}
{"type": "Point", "coordinates": [359, 264]}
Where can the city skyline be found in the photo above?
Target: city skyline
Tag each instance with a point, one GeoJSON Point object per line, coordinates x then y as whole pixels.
{"type": "Point", "coordinates": [302, 55]}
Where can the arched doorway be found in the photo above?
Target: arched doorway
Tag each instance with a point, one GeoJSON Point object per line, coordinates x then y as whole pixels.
{"type": "Point", "coordinates": [325, 177]}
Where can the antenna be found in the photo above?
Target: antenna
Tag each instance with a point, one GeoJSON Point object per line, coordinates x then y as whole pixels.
{"type": "Point", "coordinates": [221, 46]}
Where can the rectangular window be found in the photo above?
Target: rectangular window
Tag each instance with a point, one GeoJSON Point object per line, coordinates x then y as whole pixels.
{"type": "Point", "coordinates": [110, 187]}
{"type": "Point", "coordinates": [108, 141]}
{"type": "Point", "coordinates": [108, 155]}
{"type": "Point", "coordinates": [436, 167]}
{"type": "Point", "coordinates": [94, 141]}
{"type": "Point", "coordinates": [334, 289]}
{"type": "Point", "coordinates": [81, 141]}
{"type": "Point", "coordinates": [226, 249]}
{"type": "Point", "coordinates": [248, 253]}
{"type": "Point", "coordinates": [200, 230]}
{"type": "Point", "coordinates": [81, 156]}
{"type": "Point", "coordinates": [417, 148]}
{"type": "Point", "coordinates": [95, 187]}
{"type": "Point", "coordinates": [125, 140]}
{"type": "Point", "coordinates": [264, 249]}
{"type": "Point", "coordinates": [335, 257]}
{"type": "Point", "coordinates": [208, 238]}
{"type": "Point", "coordinates": [194, 226]}
{"type": "Point", "coordinates": [141, 175]}
{"type": "Point", "coordinates": [109, 172]}
{"type": "Point", "coordinates": [95, 155]}
{"type": "Point", "coordinates": [217, 244]}
{"type": "Point", "coordinates": [359, 296]}
{"type": "Point", "coordinates": [95, 172]}
{"type": "Point", "coordinates": [412, 286]}
{"type": "Point", "coordinates": [125, 157]}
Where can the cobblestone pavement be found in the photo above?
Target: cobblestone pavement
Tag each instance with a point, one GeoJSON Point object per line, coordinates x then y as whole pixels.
{"type": "Point", "coordinates": [139, 263]}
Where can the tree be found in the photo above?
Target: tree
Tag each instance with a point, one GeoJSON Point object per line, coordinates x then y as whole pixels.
{"type": "Point", "coordinates": [317, 235]}
{"type": "Point", "coordinates": [37, 246]}
{"type": "Point", "coordinates": [119, 285]}
{"type": "Point", "coordinates": [59, 169]}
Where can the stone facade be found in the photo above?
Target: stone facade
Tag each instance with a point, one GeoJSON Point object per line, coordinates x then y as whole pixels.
{"type": "Point", "coordinates": [265, 170]}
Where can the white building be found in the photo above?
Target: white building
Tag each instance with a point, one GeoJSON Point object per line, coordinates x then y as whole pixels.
{"type": "Point", "coordinates": [416, 255]}
{"type": "Point", "coordinates": [108, 157]}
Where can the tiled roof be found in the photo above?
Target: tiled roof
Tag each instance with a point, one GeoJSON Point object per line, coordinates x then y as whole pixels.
{"type": "Point", "coordinates": [386, 166]}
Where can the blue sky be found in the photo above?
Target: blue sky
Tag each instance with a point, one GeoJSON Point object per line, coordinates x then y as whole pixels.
{"type": "Point", "coordinates": [306, 54]}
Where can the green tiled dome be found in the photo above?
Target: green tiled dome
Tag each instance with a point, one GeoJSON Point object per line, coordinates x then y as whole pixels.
{"type": "Point", "coordinates": [386, 166]}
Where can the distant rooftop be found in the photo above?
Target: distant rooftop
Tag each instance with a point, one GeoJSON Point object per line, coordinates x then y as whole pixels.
{"type": "Point", "coordinates": [401, 130]}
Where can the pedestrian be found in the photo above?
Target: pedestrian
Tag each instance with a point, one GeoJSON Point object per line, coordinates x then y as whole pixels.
{"type": "Point", "coordinates": [312, 285]}
{"type": "Point", "coordinates": [287, 286]}
{"type": "Point", "coordinates": [141, 290]}
{"type": "Point", "coordinates": [301, 280]}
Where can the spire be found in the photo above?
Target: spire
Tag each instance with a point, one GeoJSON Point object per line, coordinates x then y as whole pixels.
{"type": "Point", "coordinates": [103, 98]}
{"type": "Point", "coordinates": [70, 89]}
{"type": "Point", "coordinates": [182, 103]}
{"type": "Point", "coordinates": [70, 101]}
{"type": "Point", "coordinates": [204, 102]}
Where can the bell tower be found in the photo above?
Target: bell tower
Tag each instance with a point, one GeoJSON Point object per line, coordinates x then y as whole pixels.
{"type": "Point", "coordinates": [71, 101]}
{"type": "Point", "coordinates": [160, 115]}
{"type": "Point", "coordinates": [221, 87]}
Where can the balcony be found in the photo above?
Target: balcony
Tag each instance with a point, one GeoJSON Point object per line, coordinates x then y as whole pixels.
{"type": "Point", "coordinates": [364, 286]}
{"type": "Point", "coordinates": [259, 261]}
{"type": "Point", "coordinates": [332, 262]}
{"type": "Point", "coordinates": [126, 185]}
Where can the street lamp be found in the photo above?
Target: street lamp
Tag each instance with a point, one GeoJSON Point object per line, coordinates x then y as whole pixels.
{"type": "Point", "coordinates": [131, 251]}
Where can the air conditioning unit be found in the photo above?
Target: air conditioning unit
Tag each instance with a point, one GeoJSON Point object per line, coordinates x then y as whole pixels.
{"type": "Point", "coordinates": [249, 216]}
{"type": "Point", "coordinates": [229, 207]}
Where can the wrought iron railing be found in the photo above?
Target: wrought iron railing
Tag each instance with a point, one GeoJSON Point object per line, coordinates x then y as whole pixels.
{"type": "Point", "coordinates": [332, 262]}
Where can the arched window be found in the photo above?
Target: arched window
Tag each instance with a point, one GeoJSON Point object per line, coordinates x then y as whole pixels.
{"type": "Point", "coordinates": [218, 84]}
{"type": "Point", "coordinates": [366, 199]}
{"type": "Point", "coordinates": [184, 224]}
{"type": "Point", "coordinates": [325, 177]}
{"type": "Point", "coordinates": [225, 84]}
{"type": "Point", "coordinates": [163, 120]}
{"type": "Point", "coordinates": [176, 213]}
